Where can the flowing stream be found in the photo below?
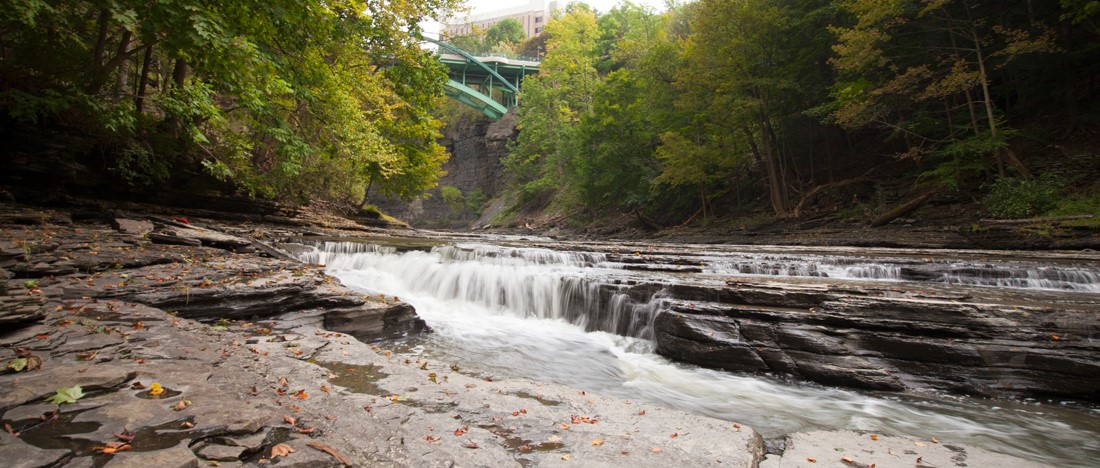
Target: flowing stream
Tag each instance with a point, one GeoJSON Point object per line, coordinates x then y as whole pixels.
{"type": "Point", "coordinates": [572, 313]}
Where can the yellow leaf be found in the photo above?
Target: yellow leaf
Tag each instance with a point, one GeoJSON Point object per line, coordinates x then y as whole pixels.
{"type": "Point", "coordinates": [156, 389]}
{"type": "Point", "coordinates": [597, 442]}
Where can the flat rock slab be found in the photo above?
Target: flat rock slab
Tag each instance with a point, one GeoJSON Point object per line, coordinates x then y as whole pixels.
{"type": "Point", "coordinates": [850, 449]}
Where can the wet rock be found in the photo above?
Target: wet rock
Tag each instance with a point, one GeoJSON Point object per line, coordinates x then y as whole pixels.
{"type": "Point", "coordinates": [178, 456]}
{"type": "Point", "coordinates": [376, 321]}
{"type": "Point", "coordinates": [886, 338]}
{"type": "Point", "coordinates": [220, 453]}
{"type": "Point", "coordinates": [15, 452]}
{"type": "Point", "coordinates": [864, 449]}
{"type": "Point", "coordinates": [188, 235]}
{"type": "Point", "coordinates": [132, 226]}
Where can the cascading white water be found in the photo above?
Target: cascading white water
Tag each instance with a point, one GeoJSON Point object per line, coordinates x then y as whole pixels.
{"type": "Point", "coordinates": [537, 283]}
{"type": "Point", "coordinates": [547, 315]}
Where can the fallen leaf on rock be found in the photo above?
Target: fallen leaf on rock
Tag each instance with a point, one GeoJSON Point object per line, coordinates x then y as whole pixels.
{"type": "Point", "coordinates": [564, 426]}
{"type": "Point", "coordinates": [7, 427]}
{"type": "Point", "coordinates": [182, 405]}
{"type": "Point", "coordinates": [281, 450]}
{"type": "Point", "coordinates": [847, 459]}
{"type": "Point", "coordinates": [283, 382]}
{"type": "Point", "coordinates": [462, 430]}
{"type": "Point", "coordinates": [524, 448]}
{"type": "Point", "coordinates": [137, 386]}
{"type": "Point", "coordinates": [156, 389]}
{"type": "Point", "coordinates": [126, 435]}
{"type": "Point", "coordinates": [112, 447]}
{"type": "Point", "coordinates": [597, 442]}
{"type": "Point", "coordinates": [290, 420]}
{"type": "Point", "coordinates": [566, 457]}
{"type": "Point", "coordinates": [324, 389]}
{"type": "Point", "coordinates": [472, 445]}
{"type": "Point", "coordinates": [675, 435]}
{"type": "Point", "coordinates": [656, 450]}
{"type": "Point", "coordinates": [305, 430]}
{"type": "Point", "coordinates": [187, 424]}
{"type": "Point", "coordinates": [297, 352]}
{"type": "Point", "coordinates": [431, 438]}
{"type": "Point", "coordinates": [737, 426]}
{"type": "Point", "coordinates": [42, 336]}
{"type": "Point", "coordinates": [874, 437]}
{"type": "Point", "coordinates": [919, 443]}
{"type": "Point", "coordinates": [301, 395]}
{"type": "Point", "coordinates": [811, 459]}
{"type": "Point", "coordinates": [935, 440]}
{"type": "Point", "coordinates": [139, 325]}
{"type": "Point", "coordinates": [331, 451]}
{"type": "Point", "coordinates": [86, 356]}
{"type": "Point", "coordinates": [66, 395]}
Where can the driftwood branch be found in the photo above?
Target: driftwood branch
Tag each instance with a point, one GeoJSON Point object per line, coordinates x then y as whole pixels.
{"type": "Point", "coordinates": [1048, 219]}
{"type": "Point", "coordinates": [902, 210]}
{"type": "Point", "coordinates": [816, 191]}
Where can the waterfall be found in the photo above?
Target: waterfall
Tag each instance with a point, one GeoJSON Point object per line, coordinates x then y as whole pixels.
{"type": "Point", "coordinates": [525, 283]}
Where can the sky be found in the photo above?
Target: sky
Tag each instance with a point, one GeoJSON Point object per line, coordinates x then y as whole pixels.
{"type": "Point", "coordinates": [481, 6]}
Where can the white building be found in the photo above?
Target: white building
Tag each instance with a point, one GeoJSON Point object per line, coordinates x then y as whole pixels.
{"type": "Point", "coordinates": [533, 17]}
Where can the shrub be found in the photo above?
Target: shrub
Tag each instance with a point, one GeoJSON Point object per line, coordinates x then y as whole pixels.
{"type": "Point", "coordinates": [1010, 197]}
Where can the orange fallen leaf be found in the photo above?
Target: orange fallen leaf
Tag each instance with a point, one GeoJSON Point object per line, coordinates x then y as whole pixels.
{"type": "Point", "coordinates": [283, 382]}
{"type": "Point", "coordinates": [597, 442]}
{"type": "Point", "coordinates": [42, 336]}
{"type": "Point", "coordinates": [461, 430]}
{"type": "Point", "coordinates": [431, 438]}
{"type": "Point", "coordinates": [472, 445]}
{"type": "Point", "coordinates": [297, 352]}
{"type": "Point", "coordinates": [811, 459]}
{"type": "Point", "coordinates": [847, 459]}
{"type": "Point", "coordinates": [641, 413]}
{"type": "Point", "coordinates": [324, 389]}
{"type": "Point", "coordinates": [301, 395]}
{"type": "Point", "coordinates": [281, 450]}
{"type": "Point", "coordinates": [1055, 337]}
{"type": "Point", "coordinates": [113, 447]}
{"type": "Point", "coordinates": [675, 435]}
{"type": "Point", "coordinates": [139, 325]}
{"type": "Point", "coordinates": [305, 430]}
{"type": "Point", "coordinates": [290, 420]}
{"type": "Point", "coordinates": [874, 437]}
{"type": "Point", "coordinates": [187, 424]}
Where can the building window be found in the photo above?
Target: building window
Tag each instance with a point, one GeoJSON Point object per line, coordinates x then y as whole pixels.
{"type": "Point", "coordinates": [538, 30]}
{"type": "Point", "coordinates": [538, 19]}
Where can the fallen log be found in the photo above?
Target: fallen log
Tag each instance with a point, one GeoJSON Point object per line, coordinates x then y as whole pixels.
{"type": "Point", "coordinates": [1045, 219]}
{"type": "Point", "coordinates": [902, 210]}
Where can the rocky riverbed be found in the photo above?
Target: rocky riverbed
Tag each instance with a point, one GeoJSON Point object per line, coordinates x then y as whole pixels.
{"type": "Point", "coordinates": [195, 343]}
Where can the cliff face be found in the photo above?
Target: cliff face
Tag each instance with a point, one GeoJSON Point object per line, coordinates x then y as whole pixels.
{"type": "Point", "coordinates": [477, 148]}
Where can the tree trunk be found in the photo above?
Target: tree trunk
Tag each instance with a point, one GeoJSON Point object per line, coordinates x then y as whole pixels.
{"type": "Point", "coordinates": [124, 65]}
{"type": "Point", "coordinates": [143, 80]}
{"type": "Point", "coordinates": [983, 79]}
{"type": "Point", "coordinates": [767, 160]}
{"type": "Point", "coordinates": [179, 73]}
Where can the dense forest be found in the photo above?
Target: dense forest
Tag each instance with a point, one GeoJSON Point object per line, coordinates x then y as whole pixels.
{"type": "Point", "coordinates": [737, 109]}
{"type": "Point", "coordinates": [772, 107]}
{"type": "Point", "coordinates": [285, 98]}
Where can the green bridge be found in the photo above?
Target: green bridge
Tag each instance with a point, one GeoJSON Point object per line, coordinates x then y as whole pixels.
{"type": "Point", "coordinates": [488, 84]}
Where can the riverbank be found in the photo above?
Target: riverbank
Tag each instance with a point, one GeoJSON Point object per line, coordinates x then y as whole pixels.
{"type": "Point", "coordinates": [260, 356]}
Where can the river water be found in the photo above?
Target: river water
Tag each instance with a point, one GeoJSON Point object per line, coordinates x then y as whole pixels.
{"type": "Point", "coordinates": [531, 308]}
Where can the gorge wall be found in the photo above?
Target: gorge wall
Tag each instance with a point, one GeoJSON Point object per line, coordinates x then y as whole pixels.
{"type": "Point", "coordinates": [477, 148]}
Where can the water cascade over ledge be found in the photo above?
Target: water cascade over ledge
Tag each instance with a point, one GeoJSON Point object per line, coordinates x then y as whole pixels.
{"type": "Point", "coordinates": [586, 315]}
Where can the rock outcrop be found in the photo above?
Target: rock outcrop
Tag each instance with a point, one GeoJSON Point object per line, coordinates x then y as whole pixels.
{"type": "Point", "coordinates": [887, 338]}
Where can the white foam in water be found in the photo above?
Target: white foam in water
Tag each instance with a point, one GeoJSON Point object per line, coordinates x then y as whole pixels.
{"type": "Point", "coordinates": [530, 314]}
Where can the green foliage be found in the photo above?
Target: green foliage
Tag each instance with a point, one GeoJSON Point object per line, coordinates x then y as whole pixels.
{"type": "Point", "coordinates": [285, 98]}
{"type": "Point", "coordinates": [506, 31]}
{"type": "Point", "coordinates": [66, 395]}
{"type": "Point", "coordinates": [1010, 197]}
{"type": "Point", "coordinates": [475, 201]}
{"type": "Point", "coordinates": [452, 196]}
{"type": "Point", "coordinates": [17, 364]}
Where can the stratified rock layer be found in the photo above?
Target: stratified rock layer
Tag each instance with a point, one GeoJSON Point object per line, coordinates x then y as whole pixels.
{"type": "Point", "coordinates": [887, 337]}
